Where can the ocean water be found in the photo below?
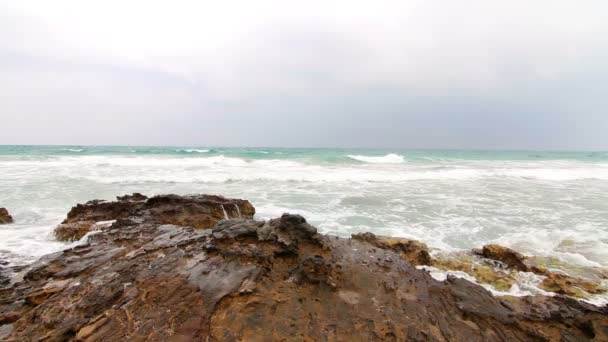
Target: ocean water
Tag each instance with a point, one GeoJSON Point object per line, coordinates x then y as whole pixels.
{"type": "Point", "coordinates": [540, 203]}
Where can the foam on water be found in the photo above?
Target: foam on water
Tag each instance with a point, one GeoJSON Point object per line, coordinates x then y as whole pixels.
{"type": "Point", "coordinates": [553, 205]}
{"type": "Point", "coordinates": [193, 150]}
{"type": "Point", "coordinates": [390, 158]}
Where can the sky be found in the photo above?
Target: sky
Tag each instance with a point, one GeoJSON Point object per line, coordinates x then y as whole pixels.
{"type": "Point", "coordinates": [478, 74]}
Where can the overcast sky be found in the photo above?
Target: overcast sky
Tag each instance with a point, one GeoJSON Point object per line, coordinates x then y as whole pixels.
{"type": "Point", "coordinates": [416, 74]}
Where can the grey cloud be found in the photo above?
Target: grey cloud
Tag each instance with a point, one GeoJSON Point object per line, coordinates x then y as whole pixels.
{"type": "Point", "coordinates": [316, 85]}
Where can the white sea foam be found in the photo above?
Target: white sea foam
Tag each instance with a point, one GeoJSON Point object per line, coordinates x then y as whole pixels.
{"type": "Point", "coordinates": [528, 284]}
{"type": "Point", "coordinates": [390, 158]}
{"type": "Point", "coordinates": [376, 171]}
{"type": "Point", "coordinates": [192, 150]}
{"type": "Point", "coordinates": [556, 208]}
{"type": "Point", "coordinates": [72, 149]}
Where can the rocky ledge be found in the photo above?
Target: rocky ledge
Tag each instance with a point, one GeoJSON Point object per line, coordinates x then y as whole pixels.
{"type": "Point", "coordinates": [176, 268]}
{"type": "Point", "coordinates": [5, 217]}
{"type": "Point", "coordinates": [202, 211]}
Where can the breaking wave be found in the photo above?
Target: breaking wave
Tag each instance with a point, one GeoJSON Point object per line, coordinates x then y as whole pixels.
{"type": "Point", "coordinates": [390, 158]}
{"type": "Point", "coordinates": [193, 150]}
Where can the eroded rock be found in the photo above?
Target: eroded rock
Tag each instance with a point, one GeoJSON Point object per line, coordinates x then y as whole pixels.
{"type": "Point", "coordinates": [500, 279]}
{"type": "Point", "coordinates": [5, 217]}
{"type": "Point", "coordinates": [481, 265]}
{"type": "Point", "coordinates": [571, 286]}
{"type": "Point", "coordinates": [202, 211]}
{"type": "Point", "coordinates": [505, 255]}
{"type": "Point", "coordinates": [413, 251]}
{"type": "Point", "coordinates": [143, 279]}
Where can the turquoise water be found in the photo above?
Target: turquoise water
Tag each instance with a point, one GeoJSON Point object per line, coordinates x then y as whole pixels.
{"type": "Point", "coordinates": [542, 203]}
{"type": "Point", "coordinates": [310, 154]}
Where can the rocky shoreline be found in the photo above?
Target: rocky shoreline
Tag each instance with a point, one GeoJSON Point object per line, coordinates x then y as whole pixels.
{"type": "Point", "coordinates": [201, 268]}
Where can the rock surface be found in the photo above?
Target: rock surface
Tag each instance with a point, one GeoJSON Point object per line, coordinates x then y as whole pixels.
{"type": "Point", "coordinates": [413, 251]}
{"type": "Point", "coordinates": [5, 217]}
{"type": "Point", "coordinates": [202, 211]}
{"type": "Point", "coordinates": [505, 255]}
{"type": "Point", "coordinates": [553, 281]}
{"type": "Point", "coordinates": [143, 278]}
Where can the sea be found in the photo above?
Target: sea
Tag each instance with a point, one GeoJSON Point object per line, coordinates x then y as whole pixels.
{"type": "Point", "coordinates": [540, 203]}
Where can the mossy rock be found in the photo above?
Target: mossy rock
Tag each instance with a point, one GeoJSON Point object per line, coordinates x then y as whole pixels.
{"type": "Point", "coordinates": [500, 280]}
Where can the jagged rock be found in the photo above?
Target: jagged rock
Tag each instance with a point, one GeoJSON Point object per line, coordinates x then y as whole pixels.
{"type": "Point", "coordinates": [73, 231]}
{"type": "Point", "coordinates": [136, 197]}
{"type": "Point", "coordinates": [5, 217]}
{"type": "Point", "coordinates": [202, 211]}
{"type": "Point", "coordinates": [505, 255]}
{"type": "Point", "coordinates": [141, 279]}
{"type": "Point", "coordinates": [413, 251]}
{"type": "Point", "coordinates": [571, 286]}
{"type": "Point", "coordinates": [4, 276]}
{"type": "Point", "coordinates": [290, 230]}
{"type": "Point", "coordinates": [500, 279]}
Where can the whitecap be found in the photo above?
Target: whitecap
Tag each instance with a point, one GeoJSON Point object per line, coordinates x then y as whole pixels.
{"type": "Point", "coordinates": [390, 158]}
{"type": "Point", "coordinates": [193, 150]}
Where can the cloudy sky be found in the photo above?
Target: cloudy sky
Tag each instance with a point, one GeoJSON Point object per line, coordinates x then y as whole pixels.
{"type": "Point", "coordinates": [416, 74]}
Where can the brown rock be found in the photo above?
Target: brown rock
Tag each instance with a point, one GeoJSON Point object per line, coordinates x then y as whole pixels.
{"type": "Point", "coordinates": [505, 255]}
{"type": "Point", "coordinates": [73, 231]}
{"type": "Point", "coordinates": [413, 251]}
{"type": "Point", "coordinates": [40, 295]}
{"type": "Point", "coordinates": [136, 197]}
{"type": "Point", "coordinates": [500, 279]}
{"type": "Point", "coordinates": [202, 211]}
{"type": "Point", "coordinates": [280, 280]}
{"type": "Point", "coordinates": [571, 286]}
{"type": "Point", "coordinates": [5, 217]}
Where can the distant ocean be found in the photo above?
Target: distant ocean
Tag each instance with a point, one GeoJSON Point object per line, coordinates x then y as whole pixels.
{"type": "Point", "coordinates": [542, 203]}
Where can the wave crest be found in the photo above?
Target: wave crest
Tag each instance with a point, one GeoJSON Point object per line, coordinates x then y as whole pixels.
{"type": "Point", "coordinates": [390, 158]}
{"type": "Point", "coordinates": [193, 150]}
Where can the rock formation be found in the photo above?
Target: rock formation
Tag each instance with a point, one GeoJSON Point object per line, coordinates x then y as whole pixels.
{"type": "Point", "coordinates": [156, 274]}
{"type": "Point", "coordinates": [553, 281]}
{"type": "Point", "coordinates": [416, 252]}
{"type": "Point", "coordinates": [5, 217]}
{"type": "Point", "coordinates": [195, 211]}
{"type": "Point", "coordinates": [505, 255]}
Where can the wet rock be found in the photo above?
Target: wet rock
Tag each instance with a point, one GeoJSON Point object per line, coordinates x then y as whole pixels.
{"type": "Point", "coordinates": [290, 230]}
{"type": "Point", "coordinates": [4, 277]}
{"type": "Point", "coordinates": [40, 295]}
{"type": "Point", "coordinates": [202, 211]}
{"type": "Point", "coordinates": [571, 286]}
{"type": "Point", "coordinates": [504, 275]}
{"type": "Point", "coordinates": [141, 279]}
{"type": "Point", "coordinates": [505, 255]}
{"type": "Point", "coordinates": [135, 197]}
{"type": "Point", "coordinates": [500, 279]}
{"type": "Point", "coordinates": [411, 250]}
{"type": "Point", "coordinates": [5, 217]}
{"type": "Point", "coordinates": [73, 231]}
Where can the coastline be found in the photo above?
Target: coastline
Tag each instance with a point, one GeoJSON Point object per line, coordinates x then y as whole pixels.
{"type": "Point", "coordinates": [548, 204]}
{"type": "Point", "coordinates": [265, 262]}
